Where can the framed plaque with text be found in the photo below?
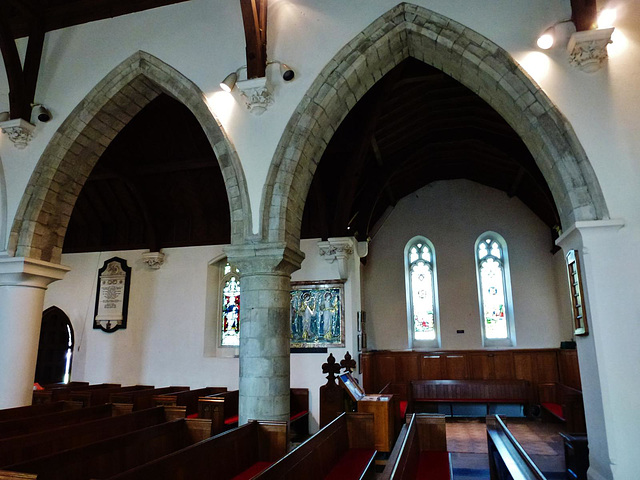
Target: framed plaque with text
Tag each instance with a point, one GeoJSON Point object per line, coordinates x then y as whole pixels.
{"type": "Point", "coordinates": [112, 295]}
{"type": "Point", "coordinates": [580, 326]}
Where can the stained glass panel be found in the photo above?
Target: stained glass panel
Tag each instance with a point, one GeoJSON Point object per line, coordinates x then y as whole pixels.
{"type": "Point", "coordinates": [231, 311]}
{"type": "Point", "coordinates": [492, 283]}
{"type": "Point", "coordinates": [422, 300]}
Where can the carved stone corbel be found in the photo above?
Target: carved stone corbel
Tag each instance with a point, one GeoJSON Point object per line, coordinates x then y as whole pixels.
{"type": "Point", "coordinates": [256, 94]}
{"type": "Point", "coordinates": [588, 49]}
{"type": "Point", "coordinates": [19, 131]}
{"type": "Point", "coordinates": [337, 250]}
{"type": "Point", "coordinates": [154, 260]}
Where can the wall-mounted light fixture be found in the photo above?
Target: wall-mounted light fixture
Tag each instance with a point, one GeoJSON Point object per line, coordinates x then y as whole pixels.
{"type": "Point", "coordinates": [554, 33]}
{"type": "Point", "coordinates": [286, 72]}
{"type": "Point", "coordinates": [229, 82]}
{"type": "Point", "coordinates": [41, 112]}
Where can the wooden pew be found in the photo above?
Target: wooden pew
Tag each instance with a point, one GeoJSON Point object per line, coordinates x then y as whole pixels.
{"type": "Point", "coordinates": [507, 458]}
{"type": "Point", "coordinates": [100, 396]}
{"type": "Point", "coordinates": [118, 454]}
{"type": "Point", "coordinates": [27, 411]}
{"type": "Point", "coordinates": [457, 392]}
{"type": "Point", "coordinates": [23, 426]}
{"type": "Point", "coordinates": [342, 450]}
{"type": "Point", "coordinates": [63, 392]}
{"type": "Point", "coordinates": [238, 454]}
{"type": "Point", "coordinates": [421, 451]}
{"type": "Point", "coordinates": [299, 413]}
{"type": "Point", "coordinates": [221, 408]}
{"type": "Point", "coordinates": [141, 399]}
{"type": "Point", "coordinates": [28, 447]}
{"type": "Point", "coordinates": [563, 403]}
{"type": "Point", "coordinates": [187, 398]}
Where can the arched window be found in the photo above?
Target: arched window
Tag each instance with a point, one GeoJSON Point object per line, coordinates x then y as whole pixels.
{"type": "Point", "coordinates": [422, 293]}
{"type": "Point", "coordinates": [230, 324]}
{"type": "Point", "coordinates": [494, 290]}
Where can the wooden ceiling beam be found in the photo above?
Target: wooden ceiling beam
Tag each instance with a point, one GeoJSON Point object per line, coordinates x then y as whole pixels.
{"type": "Point", "coordinates": [584, 14]}
{"type": "Point", "coordinates": [78, 12]}
{"type": "Point", "coordinates": [22, 81]}
{"type": "Point", "coordinates": [254, 18]}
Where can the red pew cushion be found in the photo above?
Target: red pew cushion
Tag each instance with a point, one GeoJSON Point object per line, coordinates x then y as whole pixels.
{"type": "Point", "coordinates": [296, 416]}
{"type": "Point", "coordinates": [252, 471]}
{"type": "Point", "coordinates": [352, 464]}
{"type": "Point", "coordinates": [231, 420]}
{"type": "Point", "coordinates": [433, 465]}
{"type": "Point", "coordinates": [403, 408]}
{"type": "Point", "coordinates": [554, 408]}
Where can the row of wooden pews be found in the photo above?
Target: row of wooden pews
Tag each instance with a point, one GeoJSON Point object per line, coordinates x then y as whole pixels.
{"type": "Point", "coordinates": [100, 444]}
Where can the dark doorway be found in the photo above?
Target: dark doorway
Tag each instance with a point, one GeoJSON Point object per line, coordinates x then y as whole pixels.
{"type": "Point", "coordinates": [55, 347]}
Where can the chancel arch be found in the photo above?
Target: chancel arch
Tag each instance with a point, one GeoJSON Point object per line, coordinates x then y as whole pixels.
{"type": "Point", "coordinates": [43, 216]}
{"type": "Point", "coordinates": [461, 53]}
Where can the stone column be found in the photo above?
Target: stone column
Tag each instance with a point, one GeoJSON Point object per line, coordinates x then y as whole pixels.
{"type": "Point", "coordinates": [265, 284]}
{"type": "Point", "coordinates": [23, 282]}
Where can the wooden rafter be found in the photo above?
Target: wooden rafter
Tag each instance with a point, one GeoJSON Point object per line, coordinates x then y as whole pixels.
{"type": "Point", "coordinates": [22, 81]}
{"type": "Point", "coordinates": [584, 14]}
{"type": "Point", "coordinates": [254, 18]}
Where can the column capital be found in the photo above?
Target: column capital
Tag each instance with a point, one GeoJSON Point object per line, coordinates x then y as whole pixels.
{"type": "Point", "coordinates": [265, 258]}
{"type": "Point", "coordinates": [29, 272]}
{"type": "Point", "coordinates": [573, 237]}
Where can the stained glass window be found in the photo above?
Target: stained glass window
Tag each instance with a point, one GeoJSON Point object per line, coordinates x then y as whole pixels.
{"type": "Point", "coordinates": [421, 293]}
{"type": "Point", "coordinates": [492, 285]}
{"type": "Point", "coordinates": [230, 334]}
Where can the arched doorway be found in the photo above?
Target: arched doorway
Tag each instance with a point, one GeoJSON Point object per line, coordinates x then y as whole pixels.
{"type": "Point", "coordinates": [55, 349]}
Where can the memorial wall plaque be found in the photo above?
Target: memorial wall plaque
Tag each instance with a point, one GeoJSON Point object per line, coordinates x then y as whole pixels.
{"type": "Point", "coordinates": [112, 295]}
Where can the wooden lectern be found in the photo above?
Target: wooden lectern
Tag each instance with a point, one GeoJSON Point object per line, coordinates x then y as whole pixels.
{"type": "Point", "coordinates": [381, 405]}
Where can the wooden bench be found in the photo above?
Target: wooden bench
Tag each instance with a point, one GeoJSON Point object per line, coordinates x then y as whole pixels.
{"type": "Point", "coordinates": [342, 450]}
{"type": "Point", "coordinates": [299, 413]}
{"type": "Point", "coordinates": [23, 426]}
{"type": "Point", "coordinates": [238, 454]}
{"type": "Point", "coordinates": [100, 396]}
{"type": "Point", "coordinates": [27, 447]}
{"type": "Point", "coordinates": [454, 393]}
{"type": "Point", "coordinates": [118, 454]}
{"type": "Point", "coordinates": [143, 398]}
{"type": "Point", "coordinates": [507, 458]}
{"type": "Point", "coordinates": [27, 411]}
{"type": "Point", "coordinates": [222, 409]}
{"type": "Point", "coordinates": [564, 404]}
{"type": "Point", "coordinates": [420, 452]}
{"type": "Point", "coordinates": [186, 398]}
{"type": "Point", "coordinates": [63, 391]}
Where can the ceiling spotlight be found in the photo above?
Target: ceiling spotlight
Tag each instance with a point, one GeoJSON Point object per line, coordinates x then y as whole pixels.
{"type": "Point", "coordinates": [42, 113]}
{"type": "Point", "coordinates": [545, 41]}
{"type": "Point", "coordinates": [4, 116]}
{"type": "Point", "coordinates": [229, 82]}
{"type": "Point", "coordinates": [287, 73]}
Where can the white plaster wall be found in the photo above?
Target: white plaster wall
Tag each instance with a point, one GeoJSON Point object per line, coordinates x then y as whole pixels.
{"type": "Point", "coordinates": [164, 342]}
{"type": "Point", "coordinates": [452, 214]}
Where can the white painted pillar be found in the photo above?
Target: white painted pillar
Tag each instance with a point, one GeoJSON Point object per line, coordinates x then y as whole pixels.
{"type": "Point", "coordinates": [610, 355]}
{"type": "Point", "coordinates": [23, 282]}
{"type": "Point", "coordinates": [265, 362]}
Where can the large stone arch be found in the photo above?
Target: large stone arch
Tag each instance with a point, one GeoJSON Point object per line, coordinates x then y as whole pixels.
{"type": "Point", "coordinates": [473, 60]}
{"type": "Point", "coordinates": [46, 206]}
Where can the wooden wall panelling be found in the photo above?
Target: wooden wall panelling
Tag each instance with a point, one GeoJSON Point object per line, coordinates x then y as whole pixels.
{"type": "Point", "coordinates": [456, 367]}
{"type": "Point", "coordinates": [523, 365]}
{"type": "Point", "coordinates": [385, 371]}
{"type": "Point", "coordinates": [431, 366]}
{"type": "Point", "coordinates": [546, 366]}
{"type": "Point", "coordinates": [569, 369]}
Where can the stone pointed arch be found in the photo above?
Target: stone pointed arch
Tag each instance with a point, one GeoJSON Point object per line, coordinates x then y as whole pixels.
{"type": "Point", "coordinates": [473, 60]}
{"type": "Point", "coordinates": [46, 206]}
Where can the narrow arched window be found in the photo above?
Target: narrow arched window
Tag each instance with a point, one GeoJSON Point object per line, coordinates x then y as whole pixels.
{"type": "Point", "coordinates": [422, 294]}
{"type": "Point", "coordinates": [230, 334]}
{"type": "Point", "coordinates": [494, 290]}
